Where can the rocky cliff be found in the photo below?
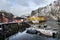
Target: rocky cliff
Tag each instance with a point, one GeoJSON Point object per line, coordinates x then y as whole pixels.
{"type": "Point", "coordinates": [52, 11]}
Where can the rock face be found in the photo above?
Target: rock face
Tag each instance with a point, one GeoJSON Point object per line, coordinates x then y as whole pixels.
{"type": "Point", "coordinates": [52, 11]}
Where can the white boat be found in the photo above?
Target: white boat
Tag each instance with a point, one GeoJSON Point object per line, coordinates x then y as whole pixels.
{"type": "Point", "coordinates": [35, 21]}
{"type": "Point", "coordinates": [47, 32]}
{"type": "Point", "coordinates": [51, 33]}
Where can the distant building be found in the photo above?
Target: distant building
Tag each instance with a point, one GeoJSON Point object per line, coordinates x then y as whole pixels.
{"type": "Point", "coordinates": [6, 16]}
{"type": "Point", "coordinates": [19, 19]}
{"type": "Point", "coordinates": [2, 18]}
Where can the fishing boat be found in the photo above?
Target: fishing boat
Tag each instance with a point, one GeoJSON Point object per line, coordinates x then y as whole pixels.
{"type": "Point", "coordinates": [43, 31]}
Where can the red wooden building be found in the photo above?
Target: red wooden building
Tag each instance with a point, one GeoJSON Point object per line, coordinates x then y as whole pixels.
{"type": "Point", "coordinates": [2, 18]}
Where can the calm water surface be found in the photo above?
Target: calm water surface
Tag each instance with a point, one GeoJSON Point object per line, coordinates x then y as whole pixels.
{"type": "Point", "coordinates": [25, 36]}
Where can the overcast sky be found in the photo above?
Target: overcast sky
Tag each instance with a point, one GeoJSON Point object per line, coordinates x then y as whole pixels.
{"type": "Point", "coordinates": [22, 7]}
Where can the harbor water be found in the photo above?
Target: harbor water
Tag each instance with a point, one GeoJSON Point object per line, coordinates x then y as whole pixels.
{"type": "Point", "coordinates": [26, 36]}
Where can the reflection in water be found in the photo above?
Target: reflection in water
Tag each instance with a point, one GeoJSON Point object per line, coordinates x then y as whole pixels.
{"type": "Point", "coordinates": [26, 36]}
